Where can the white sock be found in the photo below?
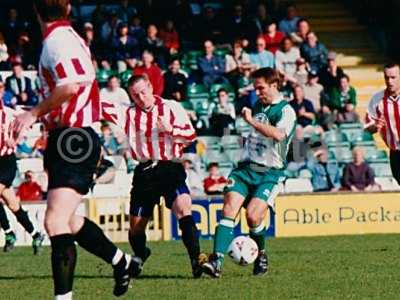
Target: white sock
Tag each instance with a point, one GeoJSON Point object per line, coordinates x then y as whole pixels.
{"type": "Point", "coordinates": [117, 257]}
{"type": "Point", "coordinates": [67, 296]}
{"type": "Point", "coordinates": [8, 231]}
{"type": "Point", "coordinates": [34, 232]}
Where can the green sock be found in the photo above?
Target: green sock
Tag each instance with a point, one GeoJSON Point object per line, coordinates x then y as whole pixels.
{"type": "Point", "coordinates": [258, 235]}
{"type": "Point", "coordinates": [223, 237]}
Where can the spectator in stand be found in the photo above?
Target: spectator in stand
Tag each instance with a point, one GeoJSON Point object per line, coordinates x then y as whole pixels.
{"type": "Point", "coordinates": [301, 74]}
{"type": "Point", "coordinates": [114, 93]}
{"type": "Point", "coordinates": [4, 64]}
{"type": "Point", "coordinates": [40, 144]}
{"type": "Point", "coordinates": [175, 82]}
{"type": "Point", "coordinates": [236, 24]}
{"type": "Point", "coordinates": [136, 30]}
{"type": "Point", "coordinates": [155, 45]}
{"type": "Point", "coordinates": [6, 97]}
{"type": "Point", "coordinates": [358, 176]}
{"type": "Point", "coordinates": [303, 28]}
{"type": "Point", "coordinates": [212, 67]}
{"type": "Point", "coordinates": [289, 24]}
{"type": "Point", "coordinates": [109, 30]}
{"type": "Point", "coordinates": [237, 62]}
{"type": "Point", "coordinates": [325, 175]}
{"type": "Point", "coordinates": [330, 75]}
{"type": "Point", "coordinates": [343, 100]}
{"type": "Point", "coordinates": [125, 49]}
{"type": "Point", "coordinates": [313, 91]}
{"type": "Point", "coordinates": [29, 190]}
{"type": "Point", "coordinates": [25, 50]}
{"type": "Point", "coordinates": [286, 57]}
{"type": "Point", "coordinates": [262, 58]}
{"type": "Point", "coordinates": [208, 26]}
{"type": "Point", "coordinates": [21, 86]}
{"type": "Point", "coordinates": [126, 11]}
{"type": "Point", "coordinates": [88, 36]}
{"type": "Point", "coordinates": [170, 37]}
{"type": "Point", "coordinates": [272, 37]}
{"type": "Point", "coordinates": [258, 24]}
{"type": "Point", "coordinates": [152, 71]}
{"type": "Point", "coordinates": [24, 149]}
{"type": "Point", "coordinates": [98, 17]}
{"type": "Point", "coordinates": [108, 140]}
{"type": "Point", "coordinates": [314, 52]}
{"type": "Point", "coordinates": [222, 114]}
{"type": "Point", "coordinates": [193, 180]}
{"type": "Point", "coordinates": [214, 184]}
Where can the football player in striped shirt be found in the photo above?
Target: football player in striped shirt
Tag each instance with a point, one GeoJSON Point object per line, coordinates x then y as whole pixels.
{"type": "Point", "coordinates": [70, 107]}
{"type": "Point", "coordinates": [257, 181]}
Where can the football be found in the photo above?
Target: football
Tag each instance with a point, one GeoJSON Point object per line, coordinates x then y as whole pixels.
{"type": "Point", "coordinates": [243, 250]}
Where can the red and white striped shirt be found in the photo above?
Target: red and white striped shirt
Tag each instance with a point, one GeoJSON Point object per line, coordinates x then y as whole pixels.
{"type": "Point", "coordinates": [145, 140]}
{"type": "Point", "coordinates": [6, 117]}
{"type": "Point", "coordinates": [388, 107]}
{"type": "Point", "coordinates": [66, 59]}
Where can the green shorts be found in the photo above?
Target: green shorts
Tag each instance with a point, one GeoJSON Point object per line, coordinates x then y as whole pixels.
{"type": "Point", "coordinates": [254, 181]}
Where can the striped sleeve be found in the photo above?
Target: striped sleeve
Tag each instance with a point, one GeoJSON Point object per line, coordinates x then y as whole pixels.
{"type": "Point", "coordinates": [113, 113]}
{"type": "Point", "coordinates": [288, 120]}
{"type": "Point", "coordinates": [372, 109]}
{"type": "Point", "coordinates": [183, 130]}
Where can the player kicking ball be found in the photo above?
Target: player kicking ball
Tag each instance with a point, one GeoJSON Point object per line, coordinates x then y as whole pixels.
{"type": "Point", "coordinates": [8, 171]}
{"type": "Point", "coordinates": [70, 107]}
{"type": "Point", "coordinates": [256, 182]}
{"type": "Point", "coordinates": [157, 131]}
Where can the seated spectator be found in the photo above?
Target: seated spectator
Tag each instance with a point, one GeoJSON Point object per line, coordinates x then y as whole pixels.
{"type": "Point", "coordinates": [175, 82]}
{"type": "Point", "coordinates": [262, 58]}
{"type": "Point", "coordinates": [330, 75]}
{"type": "Point", "coordinates": [108, 140]}
{"type": "Point", "coordinates": [109, 29]}
{"type": "Point", "coordinates": [40, 144]}
{"type": "Point", "coordinates": [301, 75]}
{"type": "Point", "coordinates": [125, 49]}
{"type": "Point", "coordinates": [212, 67]}
{"type": "Point", "coordinates": [4, 64]}
{"type": "Point", "coordinates": [358, 176]}
{"type": "Point", "coordinates": [286, 57]}
{"type": "Point", "coordinates": [152, 71]}
{"type": "Point", "coordinates": [155, 45]}
{"type": "Point", "coordinates": [258, 24]}
{"type": "Point", "coordinates": [6, 98]}
{"type": "Point", "coordinates": [208, 26]}
{"type": "Point", "coordinates": [314, 52]}
{"type": "Point", "coordinates": [193, 180]}
{"type": "Point", "coordinates": [21, 87]}
{"type": "Point", "coordinates": [313, 91]}
{"type": "Point", "coordinates": [237, 62]}
{"type": "Point", "coordinates": [214, 184]}
{"type": "Point", "coordinates": [88, 36]}
{"type": "Point", "coordinates": [325, 176]}
{"type": "Point", "coordinates": [289, 24]}
{"type": "Point", "coordinates": [29, 190]}
{"type": "Point", "coordinates": [170, 37]}
{"type": "Point", "coordinates": [24, 48]}
{"type": "Point", "coordinates": [126, 11]}
{"type": "Point", "coordinates": [236, 23]}
{"type": "Point", "coordinates": [272, 37]}
{"type": "Point", "coordinates": [222, 114]}
{"type": "Point", "coordinates": [303, 28]}
{"type": "Point", "coordinates": [342, 100]}
{"type": "Point", "coordinates": [24, 150]}
{"type": "Point", "coordinates": [114, 93]}
{"type": "Point", "coordinates": [136, 30]}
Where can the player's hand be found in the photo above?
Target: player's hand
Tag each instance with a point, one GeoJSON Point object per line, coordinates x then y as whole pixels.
{"type": "Point", "coordinates": [380, 123]}
{"type": "Point", "coordinates": [22, 123]}
{"type": "Point", "coordinates": [247, 115]}
{"type": "Point", "coordinates": [163, 125]}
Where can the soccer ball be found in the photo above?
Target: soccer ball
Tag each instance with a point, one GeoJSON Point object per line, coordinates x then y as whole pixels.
{"type": "Point", "coordinates": [243, 250]}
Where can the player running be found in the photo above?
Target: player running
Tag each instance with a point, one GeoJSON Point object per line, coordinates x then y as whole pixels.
{"type": "Point", "coordinates": [8, 171]}
{"type": "Point", "coordinates": [256, 182]}
{"type": "Point", "coordinates": [71, 105]}
{"type": "Point", "coordinates": [157, 131]}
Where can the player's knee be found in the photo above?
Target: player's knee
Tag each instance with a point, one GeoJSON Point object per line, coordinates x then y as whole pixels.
{"type": "Point", "coordinates": [253, 218]}
{"type": "Point", "coordinates": [138, 227]}
{"type": "Point", "coordinates": [229, 210]}
{"type": "Point", "coordinates": [14, 206]}
{"type": "Point", "coordinates": [55, 224]}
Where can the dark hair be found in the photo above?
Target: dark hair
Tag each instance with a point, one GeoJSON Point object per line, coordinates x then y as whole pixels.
{"type": "Point", "coordinates": [136, 78]}
{"type": "Point", "coordinates": [222, 90]}
{"type": "Point", "coordinates": [345, 76]}
{"type": "Point", "coordinates": [52, 10]}
{"type": "Point", "coordinates": [270, 75]}
{"type": "Point", "coordinates": [285, 39]}
{"type": "Point", "coordinates": [212, 165]}
{"type": "Point", "coordinates": [112, 77]}
{"type": "Point", "coordinates": [302, 20]}
{"type": "Point", "coordinates": [391, 64]}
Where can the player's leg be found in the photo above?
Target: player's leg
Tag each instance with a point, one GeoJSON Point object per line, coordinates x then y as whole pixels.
{"type": "Point", "coordinates": [14, 205]}
{"type": "Point", "coordinates": [137, 238]}
{"type": "Point", "coordinates": [10, 237]}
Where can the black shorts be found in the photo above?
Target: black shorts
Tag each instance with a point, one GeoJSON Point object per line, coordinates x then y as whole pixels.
{"type": "Point", "coordinates": [151, 182]}
{"type": "Point", "coordinates": [71, 158]}
{"type": "Point", "coordinates": [8, 169]}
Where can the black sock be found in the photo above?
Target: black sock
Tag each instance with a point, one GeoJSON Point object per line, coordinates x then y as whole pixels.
{"type": "Point", "coordinates": [23, 219]}
{"type": "Point", "coordinates": [92, 239]}
{"type": "Point", "coordinates": [63, 260]}
{"type": "Point", "coordinates": [4, 223]}
{"type": "Point", "coordinates": [138, 244]}
{"type": "Point", "coordinates": [190, 236]}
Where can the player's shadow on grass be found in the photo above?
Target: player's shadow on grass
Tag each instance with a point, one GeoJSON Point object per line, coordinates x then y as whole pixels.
{"type": "Point", "coordinates": [161, 276]}
{"type": "Point", "coordinates": [28, 277]}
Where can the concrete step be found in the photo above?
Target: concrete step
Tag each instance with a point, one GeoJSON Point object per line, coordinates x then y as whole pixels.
{"type": "Point", "coordinates": [322, 21]}
{"type": "Point", "coordinates": [334, 28]}
{"type": "Point", "coordinates": [309, 14]}
{"type": "Point", "coordinates": [321, 6]}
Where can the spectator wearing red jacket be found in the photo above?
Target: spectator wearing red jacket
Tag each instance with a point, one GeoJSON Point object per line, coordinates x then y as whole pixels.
{"type": "Point", "coordinates": [30, 190]}
{"type": "Point", "coordinates": [152, 71]}
{"type": "Point", "coordinates": [214, 184]}
{"type": "Point", "coordinates": [170, 37]}
{"type": "Point", "coordinates": [273, 37]}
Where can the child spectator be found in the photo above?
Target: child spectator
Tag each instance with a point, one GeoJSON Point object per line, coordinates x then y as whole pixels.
{"type": "Point", "coordinates": [214, 184]}
{"type": "Point", "coordinates": [29, 190]}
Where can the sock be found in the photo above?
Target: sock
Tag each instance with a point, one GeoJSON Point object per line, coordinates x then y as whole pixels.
{"type": "Point", "coordinates": [63, 260]}
{"type": "Point", "coordinates": [4, 223]}
{"type": "Point", "coordinates": [67, 296]}
{"type": "Point", "coordinates": [190, 236]}
{"type": "Point", "coordinates": [23, 219]}
{"type": "Point", "coordinates": [35, 234]}
{"type": "Point", "coordinates": [138, 244]}
{"type": "Point", "coordinates": [258, 235]}
{"type": "Point", "coordinates": [223, 237]}
{"type": "Point", "coordinates": [92, 239]}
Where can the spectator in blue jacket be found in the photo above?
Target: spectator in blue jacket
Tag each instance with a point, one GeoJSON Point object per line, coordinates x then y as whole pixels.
{"type": "Point", "coordinates": [212, 67]}
{"type": "Point", "coordinates": [314, 52]}
{"type": "Point", "coordinates": [125, 49]}
{"type": "Point", "coordinates": [325, 175]}
{"type": "Point", "coordinates": [262, 58]}
{"type": "Point", "coordinates": [20, 87]}
{"type": "Point", "coordinates": [289, 24]}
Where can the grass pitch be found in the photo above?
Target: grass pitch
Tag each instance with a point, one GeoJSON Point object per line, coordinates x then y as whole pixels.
{"type": "Point", "coordinates": [345, 267]}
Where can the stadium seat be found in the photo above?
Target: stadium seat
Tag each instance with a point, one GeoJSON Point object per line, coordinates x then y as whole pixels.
{"type": "Point", "coordinates": [210, 140]}
{"type": "Point", "coordinates": [346, 126]}
{"type": "Point", "coordinates": [342, 153]}
{"type": "Point", "coordinates": [196, 91]}
{"type": "Point", "coordinates": [221, 52]}
{"type": "Point", "coordinates": [30, 164]}
{"type": "Point", "coordinates": [219, 157]}
{"type": "Point", "coordinates": [305, 173]}
{"type": "Point", "coordinates": [242, 127]}
{"type": "Point", "coordinates": [217, 86]}
{"type": "Point", "coordinates": [103, 75]}
{"type": "Point", "coordinates": [298, 185]}
{"type": "Point", "coordinates": [387, 183]}
{"type": "Point", "coordinates": [231, 141]}
{"type": "Point", "coordinates": [234, 154]}
{"type": "Point", "coordinates": [124, 77]}
{"type": "Point", "coordinates": [376, 156]}
{"type": "Point", "coordinates": [381, 169]}
{"type": "Point", "coordinates": [334, 137]}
